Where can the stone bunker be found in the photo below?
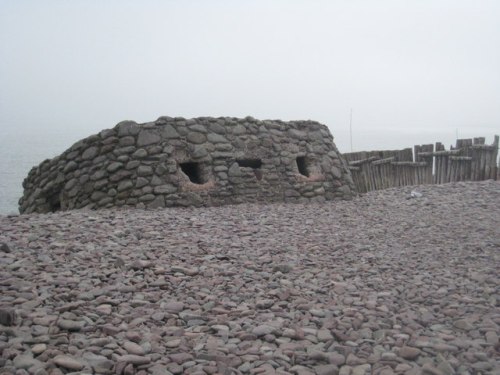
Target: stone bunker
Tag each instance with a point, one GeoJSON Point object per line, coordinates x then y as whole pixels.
{"type": "Point", "coordinates": [191, 162]}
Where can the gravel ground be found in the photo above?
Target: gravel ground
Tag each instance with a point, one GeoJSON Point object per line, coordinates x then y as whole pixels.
{"type": "Point", "coordinates": [383, 284]}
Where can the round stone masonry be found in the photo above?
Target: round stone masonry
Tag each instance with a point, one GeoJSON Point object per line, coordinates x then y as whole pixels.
{"type": "Point", "coordinates": [191, 162]}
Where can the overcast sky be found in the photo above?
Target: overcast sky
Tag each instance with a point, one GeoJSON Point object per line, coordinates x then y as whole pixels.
{"type": "Point", "coordinates": [413, 71]}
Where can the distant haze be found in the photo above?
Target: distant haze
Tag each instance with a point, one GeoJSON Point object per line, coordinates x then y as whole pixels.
{"type": "Point", "coordinates": [412, 71]}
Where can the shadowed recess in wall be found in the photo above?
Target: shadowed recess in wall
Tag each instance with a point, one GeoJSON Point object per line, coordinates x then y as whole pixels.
{"type": "Point", "coordinates": [193, 171]}
{"type": "Point", "coordinates": [54, 201]}
{"type": "Point", "coordinates": [249, 163]}
{"type": "Point", "coordinates": [255, 164]}
{"type": "Point", "coordinates": [302, 165]}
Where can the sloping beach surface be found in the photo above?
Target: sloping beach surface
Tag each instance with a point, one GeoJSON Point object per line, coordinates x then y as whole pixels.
{"type": "Point", "coordinates": [383, 284]}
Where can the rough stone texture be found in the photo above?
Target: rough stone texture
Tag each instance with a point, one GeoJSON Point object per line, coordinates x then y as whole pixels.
{"type": "Point", "coordinates": [235, 161]}
{"type": "Point", "coordinates": [382, 284]}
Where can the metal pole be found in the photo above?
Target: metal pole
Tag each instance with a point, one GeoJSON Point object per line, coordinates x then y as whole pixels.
{"type": "Point", "coordinates": [350, 128]}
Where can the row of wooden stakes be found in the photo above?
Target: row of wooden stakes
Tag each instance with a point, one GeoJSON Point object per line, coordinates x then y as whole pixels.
{"type": "Point", "coordinates": [469, 160]}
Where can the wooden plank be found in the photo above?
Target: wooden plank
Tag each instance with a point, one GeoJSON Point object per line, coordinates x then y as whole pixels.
{"type": "Point", "coordinates": [463, 166]}
{"type": "Point", "coordinates": [382, 176]}
{"type": "Point", "coordinates": [398, 174]}
{"type": "Point", "coordinates": [466, 170]}
{"type": "Point", "coordinates": [441, 168]}
{"type": "Point", "coordinates": [406, 154]}
{"type": "Point", "coordinates": [439, 153]}
{"type": "Point", "coordinates": [461, 143]}
{"type": "Point", "coordinates": [447, 166]}
{"type": "Point", "coordinates": [482, 147]}
{"type": "Point", "coordinates": [451, 170]}
{"type": "Point", "coordinates": [387, 175]}
{"type": "Point", "coordinates": [430, 161]}
{"type": "Point", "coordinates": [437, 167]}
{"type": "Point", "coordinates": [487, 165]}
{"type": "Point", "coordinates": [422, 173]}
{"type": "Point", "coordinates": [363, 178]}
{"type": "Point", "coordinates": [355, 179]}
{"type": "Point", "coordinates": [479, 141]}
{"type": "Point", "coordinates": [416, 150]}
{"type": "Point", "coordinates": [495, 168]}
{"type": "Point", "coordinates": [460, 158]}
{"type": "Point", "coordinates": [410, 163]}
{"type": "Point", "coordinates": [482, 164]}
{"type": "Point", "coordinates": [367, 168]}
{"type": "Point", "coordinates": [369, 173]}
{"type": "Point", "coordinates": [376, 177]}
{"type": "Point", "coordinates": [363, 161]}
{"type": "Point", "coordinates": [383, 161]}
{"type": "Point", "coordinates": [474, 165]}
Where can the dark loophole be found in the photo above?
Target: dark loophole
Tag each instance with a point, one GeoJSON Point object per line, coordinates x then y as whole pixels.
{"type": "Point", "coordinates": [302, 166]}
{"type": "Point", "coordinates": [250, 163]}
{"type": "Point", "coordinates": [193, 171]}
{"type": "Point", "coordinates": [255, 164]}
{"type": "Point", "coordinates": [54, 202]}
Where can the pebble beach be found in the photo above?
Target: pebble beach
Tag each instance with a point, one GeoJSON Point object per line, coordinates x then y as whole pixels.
{"type": "Point", "coordinates": [387, 283]}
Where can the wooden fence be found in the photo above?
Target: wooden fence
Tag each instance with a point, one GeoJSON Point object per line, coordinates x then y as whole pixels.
{"type": "Point", "coordinates": [469, 160]}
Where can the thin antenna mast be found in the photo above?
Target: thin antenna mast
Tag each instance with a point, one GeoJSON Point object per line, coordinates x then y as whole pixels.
{"type": "Point", "coordinates": [350, 128]}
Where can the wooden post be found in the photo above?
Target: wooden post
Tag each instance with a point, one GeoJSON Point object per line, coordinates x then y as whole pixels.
{"type": "Point", "coordinates": [479, 141]}
{"type": "Point", "coordinates": [451, 172]}
{"type": "Point", "coordinates": [476, 162]}
{"type": "Point", "coordinates": [449, 166]}
{"type": "Point", "coordinates": [470, 159]}
{"type": "Point", "coordinates": [430, 163]}
{"type": "Point", "coordinates": [438, 163]}
{"type": "Point", "coordinates": [416, 150]}
{"type": "Point", "coordinates": [482, 156]}
{"type": "Point", "coordinates": [495, 169]}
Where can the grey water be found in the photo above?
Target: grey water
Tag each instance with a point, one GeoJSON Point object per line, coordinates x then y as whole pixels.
{"type": "Point", "coordinates": [20, 150]}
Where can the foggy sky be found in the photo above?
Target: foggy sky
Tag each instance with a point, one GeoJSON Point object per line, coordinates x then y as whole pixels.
{"type": "Point", "coordinates": [412, 71]}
